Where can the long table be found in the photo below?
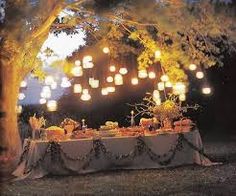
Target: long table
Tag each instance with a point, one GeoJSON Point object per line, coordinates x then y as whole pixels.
{"type": "Point", "coordinates": [40, 158]}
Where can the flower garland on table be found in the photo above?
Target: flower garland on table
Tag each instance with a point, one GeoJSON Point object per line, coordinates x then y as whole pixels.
{"type": "Point", "coordinates": [56, 153]}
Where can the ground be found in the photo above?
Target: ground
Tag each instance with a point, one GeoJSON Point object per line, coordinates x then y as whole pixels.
{"type": "Point", "coordinates": [185, 180]}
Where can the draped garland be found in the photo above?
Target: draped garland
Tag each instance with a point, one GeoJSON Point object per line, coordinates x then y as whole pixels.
{"type": "Point", "coordinates": [57, 154]}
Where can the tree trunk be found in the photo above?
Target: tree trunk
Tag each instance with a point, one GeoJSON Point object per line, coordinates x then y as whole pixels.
{"type": "Point", "coordinates": [10, 144]}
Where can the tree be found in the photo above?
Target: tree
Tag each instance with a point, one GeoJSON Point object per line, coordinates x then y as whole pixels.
{"type": "Point", "coordinates": [184, 32]}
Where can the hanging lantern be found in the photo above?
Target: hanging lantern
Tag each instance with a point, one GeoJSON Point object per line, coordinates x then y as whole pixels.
{"type": "Point", "coordinates": [95, 84]}
{"type": "Point", "coordinates": [23, 84]}
{"type": "Point", "coordinates": [192, 67]}
{"type": "Point", "coordinates": [134, 81]}
{"type": "Point", "coordinates": [49, 80]}
{"type": "Point", "coordinates": [65, 82]}
{"type": "Point", "coordinates": [142, 73]}
{"type": "Point", "coordinates": [168, 84]}
{"type": "Point", "coordinates": [158, 54]}
{"type": "Point", "coordinates": [111, 89]}
{"type": "Point", "coordinates": [164, 78]}
{"type": "Point", "coordinates": [104, 91]}
{"type": "Point", "coordinates": [52, 105]}
{"type": "Point", "coordinates": [77, 71]}
{"type": "Point", "coordinates": [110, 79]}
{"type": "Point", "coordinates": [152, 75]}
{"type": "Point", "coordinates": [123, 70]}
{"type": "Point", "coordinates": [21, 96]}
{"type": "Point", "coordinates": [19, 109]}
{"type": "Point", "coordinates": [106, 50]}
{"type": "Point", "coordinates": [182, 97]}
{"type": "Point", "coordinates": [179, 88]}
{"type": "Point", "coordinates": [77, 62]}
{"type": "Point", "coordinates": [118, 79]}
{"type": "Point", "coordinates": [54, 85]}
{"type": "Point", "coordinates": [200, 75]}
{"type": "Point", "coordinates": [112, 68]}
{"type": "Point", "coordinates": [206, 90]}
{"type": "Point", "coordinates": [161, 86]}
{"type": "Point", "coordinates": [77, 88]}
{"type": "Point", "coordinates": [42, 101]}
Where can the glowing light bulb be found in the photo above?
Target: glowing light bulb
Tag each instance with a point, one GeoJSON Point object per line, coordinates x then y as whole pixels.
{"type": "Point", "coordinates": [104, 91]}
{"type": "Point", "coordinates": [85, 91]}
{"type": "Point", "coordinates": [21, 96]}
{"type": "Point", "coordinates": [206, 90]}
{"type": "Point", "coordinates": [152, 75]}
{"type": "Point", "coordinates": [192, 67]}
{"type": "Point", "coordinates": [23, 84]}
{"type": "Point", "coordinates": [106, 50]}
{"type": "Point", "coordinates": [157, 54]}
{"type": "Point", "coordinates": [49, 80]}
{"type": "Point", "coordinates": [179, 88]}
{"type": "Point", "coordinates": [112, 68]}
{"type": "Point", "coordinates": [164, 78]}
{"type": "Point", "coordinates": [87, 62]}
{"type": "Point", "coordinates": [123, 70]}
{"type": "Point", "coordinates": [77, 62]}
{"type": "Point", "coordinates": [77, 88]}
{"type": "Point", "coordinates": [42, 101]}
{"type": "Point", "coordinates": [134, 81]}
{"type": "Point", "coordinates": [85, 97]}
{"type": "Point", "coordinates": [161, 86]}
{"type": "Point", "coordinates": [200, 75]}
{"type": "Point", "coordinates": [157, 101]}
{"type": "Point", "coordinates": [156, 94]}
{"type": "Point", "coordinates": [65, 82]}
{"type": "Point", "coordinates": [19, 109]}
{"type": "Point", "coordinates": [182, 97]}
{"type": "Point", "coordinates": [142, 73]}
{"type": "Point", "coordinates": [77, 71]}
{"type": "Point", "coordinates": [95, 84]}
{"type": "Point", "coordinates": [168, 84]}
{"type": "Point", "coordinates": [109, 79]}
{"type": "Point", "coordinates": [52, 105]}
{"type": "Point", "coordinates": [118, 79]}
{"type": "Point", "coordinates": [111, 89]}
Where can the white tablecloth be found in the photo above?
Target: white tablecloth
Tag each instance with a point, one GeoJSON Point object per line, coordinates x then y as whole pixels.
{"type": "Point", "coordinates": [41, 158]}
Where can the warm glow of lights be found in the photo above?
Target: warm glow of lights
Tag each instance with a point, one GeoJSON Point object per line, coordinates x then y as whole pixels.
{"type": "Point", "coordinates": [46, 92]}
{"type": "Point", "coordinates": [104, 91]}
{"type": "Point", "coordinates": [111, 89]}
{"type": "Point", "coordinates": [77, 71]}
{"type": "Point", "coordinates": [110, 79]}
{"type": "Point", "coordinates": [134, 81]}
{"type": "Point", "coordinates": [106, 50]}
{"type": "Point", "coordinates": [87, 62]}
{"type": "Point", "coordinates": [118, 79]}
{"type": "Point", "coordinates": [42, 101]}
{"type": "Point", "coordinates": [123, 70]}
{"type": "Point", "coordinates": [179, 88]}
{"type": "Point", "coordinates": [54, 85]}
{"type": "Point", "coordinates": [157, 101]}
{"type": "Point", "coordinates": [46, 89]}
{"type": "Point", "coordinates": [157, 54]}
{"type": "Point", "coordinates": [200, 75]}
{"type": "Point", "coordinates": [164, 78]}
{"type": "Point", "coordinates": [65, 82]}
{"type": "Point", "coordinates": [52, 105]}
{"type": "Point", "coordinates": [23, 84]}
{"type": "Point", "coordinates": [142, 73]}
{"type": "Point", "coordinates": [95, 84]}
{"type": "Point", "coordinates": [85, 96]}
{"type": "Point", "coordinates": [206, 90]}
{"type": "Point", "coordinates": [87, 59]}
{"type": "Point", "coordinates": [192, 67]}
{"type": "Point", "coordinates": [182, 97]}
{"type": "Point", "coordinates": [19, 109]}
{"type": "Point", "coordinates": [168, 84]}
{"type": "Point", "coordinates": [21, 96]}
{"type": "Point", "coordinates": [112, 68]}
{"type": "Point", "coordinates": [152, 75]}
{"type": "Point", "coordinates": [77, 88]}
{"type": "Point", "coordinates": [49, 80]}
{"type": "Point", "coordinates": [161, 86]}
{"type": "Point", "coordinates": [156, 94]}
{"type": "Point", "coordinates": [77, 62]}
